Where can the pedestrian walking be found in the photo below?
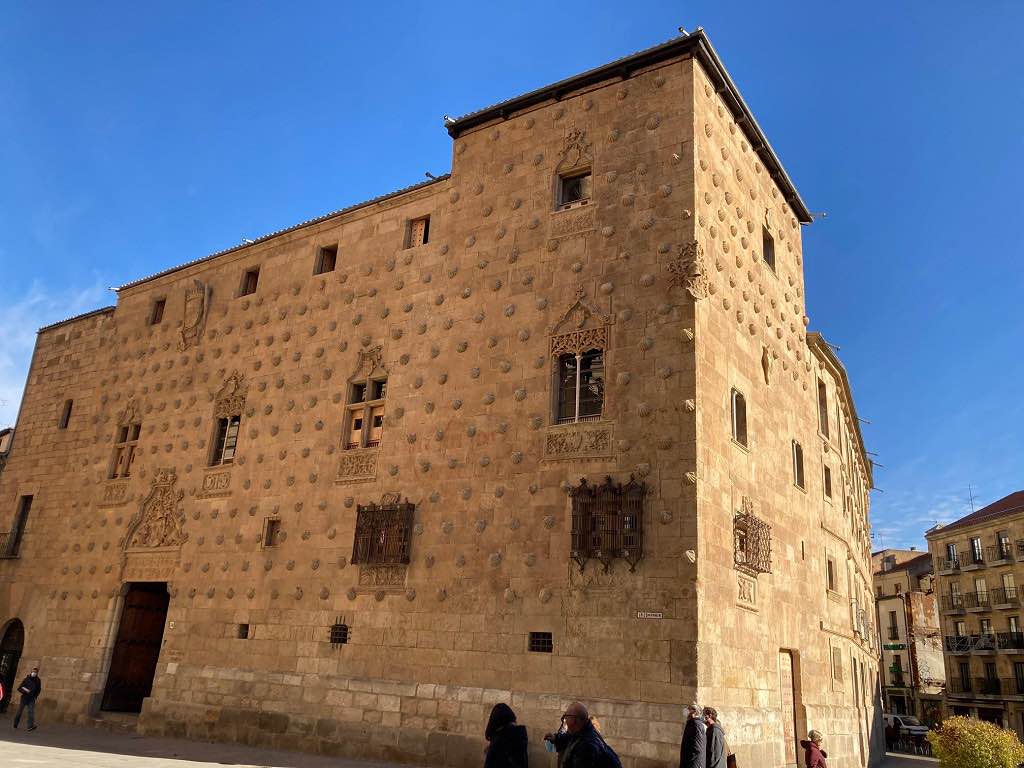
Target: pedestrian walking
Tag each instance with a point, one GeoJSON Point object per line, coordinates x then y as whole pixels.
{"type": "Point", "coordinates": [29, 689]}
{"type": "Point", "coordinates": [717, 747]}
{"type": "Point", "coordinates": [581, 746]}
{"type": "Point", "coordinates": [692, 750]}
{"type": "Point", "coordinates": [506, 740]}
{"type": "Point", "coordinates": [814, 755]}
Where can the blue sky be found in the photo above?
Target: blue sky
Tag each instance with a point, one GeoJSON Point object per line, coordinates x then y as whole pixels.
{"type": "Point", "coordinates": [136, 136]}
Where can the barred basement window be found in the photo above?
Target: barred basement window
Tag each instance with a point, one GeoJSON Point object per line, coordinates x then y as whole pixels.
{"type": "Point", "coordinates": [541, 642]}
{"type": "Point", "coordinates": [243, 631]}
{"type": "Point", "coordinates": [339, 634]}
{"type": "Point", "coordinates": [382, 533]}
{"type": "Point", "coordinates": [607, 522]}
{"type": "Point", "coordinates": [752, 541]}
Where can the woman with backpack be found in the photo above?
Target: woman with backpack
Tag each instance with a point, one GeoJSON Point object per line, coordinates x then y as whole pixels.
{"type": "Point", "coordinates": [506, 740]}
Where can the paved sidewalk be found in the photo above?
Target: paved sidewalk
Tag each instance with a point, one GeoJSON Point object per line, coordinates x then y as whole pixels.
{"type": "Point", "coordinates": [65, 746]}
{"type": "Point", "coordinates": [893, 760]}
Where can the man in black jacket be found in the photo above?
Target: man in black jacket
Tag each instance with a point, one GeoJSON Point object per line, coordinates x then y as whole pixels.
{"type": "Point", "coordinates": [29, 689]}
{"type": "Point", "coordinates": [692, 751]}
{"type": "Point", "coordinates": [581, 746]}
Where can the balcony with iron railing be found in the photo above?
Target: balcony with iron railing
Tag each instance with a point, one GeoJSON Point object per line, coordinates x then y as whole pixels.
{"type": "Point", "coordinates": [984, 643]}
{"type": "Point", "coordinates": [949, 565]}
{"type": "Point", "coordinates": [1005, 596]}
{"type": "Point", "coordinates": [957, 687]}
{"type": "Point", "coordinates": [999, 553]}
{"type": "Point", "coordinates": [973, 560]}
{"type": "Point", "coordinates": [988, 686]}
{"type": "Point", "coordinates": [1020, 549]}
{"type": "Point", "coordinates": [978, 601]}
{"type": "Point", "coordinates": [9, 545]}
{"type": "Point", "coordinates": [953, 603]}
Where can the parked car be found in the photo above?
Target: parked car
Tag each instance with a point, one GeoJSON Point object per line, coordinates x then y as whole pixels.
{"type": "Point", "coordinates": [908, 724]}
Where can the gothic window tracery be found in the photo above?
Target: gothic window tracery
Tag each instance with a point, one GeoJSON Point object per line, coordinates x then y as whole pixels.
{"type": "Point", "coordinates": [364, 416]}
{"type": "Point", "coordinates": [577, 345]}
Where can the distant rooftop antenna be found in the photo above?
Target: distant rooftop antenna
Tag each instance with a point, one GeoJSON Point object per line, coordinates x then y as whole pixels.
{"type": "Point", "coordinates": [430, 176]}
{"type": "Point", "coordinates": [970, 490]}
{"type": "Point", "coordinates": [682, 31]}
{"type": "Point", "coordinates": [247, 241]}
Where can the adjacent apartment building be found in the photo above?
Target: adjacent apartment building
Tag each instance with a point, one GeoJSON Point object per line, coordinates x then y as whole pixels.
{"type": "Point", "coordinates": [979, 563]}
{"type": "Point", "coordinates": [912, 672]}
{"type": "Point", "coordinates": [548, 427]}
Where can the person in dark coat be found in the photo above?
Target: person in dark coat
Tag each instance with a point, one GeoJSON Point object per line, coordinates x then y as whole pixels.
{"type": "Point", "coordinates": [814, 755]}
{"type": "Point", "coordinates": [692, 751]}
{"type": "Point", "coordinates": [506, 739]}
{"type": "Point", "coordinates": [29, 689]}
{"type": "Point", "coordinates": [717, 749]}
{"type": "Point", "coordinates": [581, 746]}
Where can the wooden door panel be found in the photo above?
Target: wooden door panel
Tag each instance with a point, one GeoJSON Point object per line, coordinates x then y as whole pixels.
{"type": "Point", "coordinates": [137, 649]}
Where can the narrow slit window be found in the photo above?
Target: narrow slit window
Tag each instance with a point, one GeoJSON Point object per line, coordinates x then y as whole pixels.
{"type": "Point", "coordinates": [768, 248]}
{"type": "Point", "coordinates": [830, 573]}
{"type": "Point", "coordinates": [574, 189]}
{"type": "Point", "coordinates": [271, 532]}
{"type": "Point", "coordinates": [250, 280]}
{"type": "Point", "coordinates": [827, 480]}
{"type": "Point", "coordinates": [798, 465]}
{"type": "Point", "coordinates": [156, 316]}
{"type": "Point", "coordinates": [419, 232]}
{"type": "Point", "coordinates": [739, 418]}
{"type": "Point", "coordinates": [10, 543]}
{"type": "Point", "coordinates": [225, 440]}
{"type": "Point", "coordinates": [65, 414]}
{"type": "Point", "coordinates": [326, 260]}
{"type": "Point", "coordinates": [822, 407]}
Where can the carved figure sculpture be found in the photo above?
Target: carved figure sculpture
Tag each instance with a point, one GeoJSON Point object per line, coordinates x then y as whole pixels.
{"type": "Point", "coordinates": [159, 521]}
{"type": "Point", "coordinates": [690, 272]}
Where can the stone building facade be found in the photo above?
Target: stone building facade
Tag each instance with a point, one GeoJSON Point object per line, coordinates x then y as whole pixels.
{"type": "Point", "coordinates": [549, 427]}
{"type": "Point", "coordinates": [979, 561]}
{"type": "Point", "coordinates": [913, 673]}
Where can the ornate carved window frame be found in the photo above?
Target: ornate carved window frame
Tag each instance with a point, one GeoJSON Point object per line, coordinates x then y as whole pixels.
{"type": "Point", "coordinates": [582, 327]}
{"type": "Point", "coordinates": [229, 402]}
{"type": "Point", "coordinates": [575, 159]}
{"type": "Point", "coordinates": [608, 522]}
{"type": "Point", "coordinates": [752, 541]}
{"type": "Point", "coordinates": [370, 373]}
{"type": "Point", "coordinates": [126, 442]}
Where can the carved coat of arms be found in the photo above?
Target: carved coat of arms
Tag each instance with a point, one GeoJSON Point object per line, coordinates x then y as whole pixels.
{"type": "Point", "coordinates": [197, 303]}
{"type": "Point", "coordinates": [690, 272]}
{"type": "Point", "coordinates": [160, 520]}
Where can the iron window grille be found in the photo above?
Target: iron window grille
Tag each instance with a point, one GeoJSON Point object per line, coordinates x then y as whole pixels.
{"type": "Point", "coordinates": [607, 522]}
{"type": "Point", "coordinates": [382, 533]}
{"type": "Point", "coordinates": [541, 642]}
{"type": "Point", "coordinates": [339, 634]}
{"type": "Point", "coordinates": [752, 539]}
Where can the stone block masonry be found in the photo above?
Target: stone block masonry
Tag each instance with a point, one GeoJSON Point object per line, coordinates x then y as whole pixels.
{"type": "Point", "coordinates": [487, 456]}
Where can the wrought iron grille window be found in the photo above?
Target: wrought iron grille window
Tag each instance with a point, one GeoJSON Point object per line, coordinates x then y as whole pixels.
{"type": "Point", "coordinates": [607, 522]}
{"type": "Point", "coordinates": [339, 634]}
{"type": "Point", "coordinates": [752, 539]}
{"type": "Point", "coordinates": [541, 642]}
{"type": "Point", "coordinates": [382, 534]}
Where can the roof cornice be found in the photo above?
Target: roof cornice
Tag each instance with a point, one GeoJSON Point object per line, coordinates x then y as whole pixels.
{"type": "Point", "coordinates": [695, 44]}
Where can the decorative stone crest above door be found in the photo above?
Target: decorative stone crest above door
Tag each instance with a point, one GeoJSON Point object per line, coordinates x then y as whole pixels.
{"type": "Point", "coordinates": [197, 304]}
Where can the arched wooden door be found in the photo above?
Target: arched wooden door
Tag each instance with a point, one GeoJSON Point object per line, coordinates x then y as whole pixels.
{"type": "Point", "coordinates": [11, 645]}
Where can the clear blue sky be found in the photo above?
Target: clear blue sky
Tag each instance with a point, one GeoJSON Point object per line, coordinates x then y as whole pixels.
{"type": "Point", "coordinates": [136, 136]}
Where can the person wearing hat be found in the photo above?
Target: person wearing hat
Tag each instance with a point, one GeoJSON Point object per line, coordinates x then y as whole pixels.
{"type": "Point", "coordinates": [814, 755]}
{"type": "Point", "coordinates": [692, 750]}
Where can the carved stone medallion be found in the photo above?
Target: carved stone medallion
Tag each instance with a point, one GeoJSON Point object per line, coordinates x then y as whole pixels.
{"type": "Point", "coordinates": [357, 466]}
{"type": "Point", "coordinates": [579, 441]}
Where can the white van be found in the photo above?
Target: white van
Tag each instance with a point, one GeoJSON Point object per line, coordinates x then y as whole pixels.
{"type": "Point", "coordinates": [908, 724]}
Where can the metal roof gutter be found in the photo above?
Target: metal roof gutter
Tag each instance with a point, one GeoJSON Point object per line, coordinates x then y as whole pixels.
{"type": "Point", "coordinates": [695, 44]}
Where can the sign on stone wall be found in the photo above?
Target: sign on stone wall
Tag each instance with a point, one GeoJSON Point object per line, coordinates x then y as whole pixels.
{"type": "Point", "coordinates": [215, 484]}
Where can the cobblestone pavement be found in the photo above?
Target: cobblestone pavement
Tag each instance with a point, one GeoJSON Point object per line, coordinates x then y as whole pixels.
{"type": "Point", "coordinates": [908, 761]}
{"type": "Point", "coordinates": [62, 746]}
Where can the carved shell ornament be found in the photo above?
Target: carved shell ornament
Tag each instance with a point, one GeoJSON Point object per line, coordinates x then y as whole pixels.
{"type": "Point", "coordinates": [689, 271]}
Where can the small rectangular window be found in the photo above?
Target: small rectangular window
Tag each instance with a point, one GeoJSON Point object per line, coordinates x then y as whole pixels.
{"type": "Point", "coordinates": [541, 642]}
{"type": "Point", "coordinates": [739, 418]}
{"type": "Point", "coordinates": [326, 260]}
{"type": "Point", "coordinates": [822, 408]}
{"type": "Point", "coordinates": [271, 532]}
{"type": "Point", "coordinates": [828, 482]}
{"type": "Point", "coordinates": [250, 279]}
{"type": "Point", "coordinates": [830, 570]}
{"type": "Point", "coordinates": [65, 414]}
{"type": "Point", "coordinates": [768, 248]}
{"type": "Point", "coordinates": [380, 389]}
{"type": "Point", "coordinates": [157, 315]}
{"type": "Point", "coordinates": [419, 232]}
{"type": "Point", "coordinates": [124, 451]}
{"type": "Point", "coordinates": [574, 189]}
{"type": "Point", "coordinates": [225, 440]}
{"type": "Point", "coordinates": [243, 632]}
